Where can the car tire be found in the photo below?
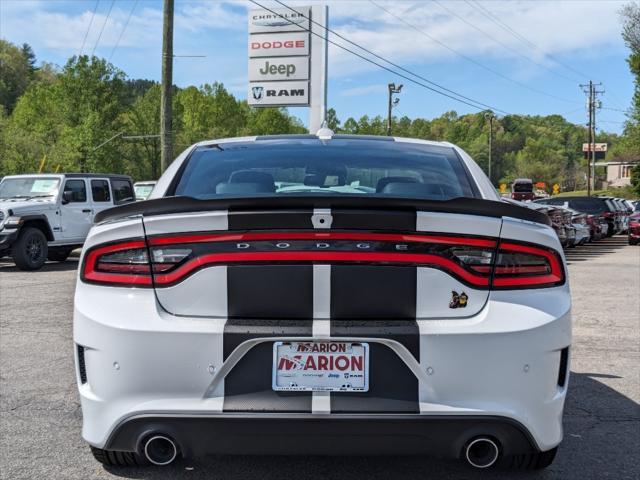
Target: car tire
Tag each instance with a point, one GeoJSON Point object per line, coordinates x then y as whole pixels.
{"type": "Point", "coordinates": [111, 458]}
{"type": "Point", "coordinates": [59, 255]}
{"type": "Point", "coordinates": [633, 241]}
{"type": "Point", "coordinates": [29, 252]}
{"type": "Point", "coordinates": [532, 461]}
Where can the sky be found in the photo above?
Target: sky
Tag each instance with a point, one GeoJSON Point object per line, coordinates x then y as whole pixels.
{"type": "Point", "coordinates": [522, 57]}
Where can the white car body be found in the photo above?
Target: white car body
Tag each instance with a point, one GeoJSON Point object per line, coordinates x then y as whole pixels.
{"type": "Point", "coordinates": [180, 361]}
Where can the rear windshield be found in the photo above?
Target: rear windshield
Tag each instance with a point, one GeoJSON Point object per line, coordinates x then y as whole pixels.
{"type": "Point", "coordinates": [523, 187]}
{"type": "Point", "coordinates": [337, 167]}
{"type": "Point", "coordinates": [589, 205]}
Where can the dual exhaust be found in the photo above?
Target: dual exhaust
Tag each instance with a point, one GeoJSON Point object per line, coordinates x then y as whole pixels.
{"type": "Point", "coordinates": [160, 450]}
{"type": "Point", "coordinates": [480, 452]}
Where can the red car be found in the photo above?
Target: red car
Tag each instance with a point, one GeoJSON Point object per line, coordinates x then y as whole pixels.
{"type": "Point", "coordinates": [522, 189]}
{"type": "Point", "coordinates": [634, 226]}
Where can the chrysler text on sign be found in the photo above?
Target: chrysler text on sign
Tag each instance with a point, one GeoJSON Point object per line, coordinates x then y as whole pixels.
{"type": "Point", "coordinates": [279, 20]}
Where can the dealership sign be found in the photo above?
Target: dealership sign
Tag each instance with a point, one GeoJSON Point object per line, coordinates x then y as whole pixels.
{"type": "Point", "coordinates": [268, 94]}
{"type": "Point", "coordinates": [279, 20]}
{"type": "Point", "coordinates": [279, 56]}
{"type": "Point", "coordinates": [279, 44]}
{"type": "Point", "coordinates": [285, 68]}
{"type": "Point", "coordinates": [596, 147]}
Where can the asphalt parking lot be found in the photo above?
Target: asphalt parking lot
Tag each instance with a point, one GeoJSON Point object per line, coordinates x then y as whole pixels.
{"type": "Point", "coordinates": [40, 417]}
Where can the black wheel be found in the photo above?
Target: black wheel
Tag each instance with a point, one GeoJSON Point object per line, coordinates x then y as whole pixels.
{"type": "Point", "coordinates": [531, 461]}
{"type": "Point", "coordinates": [633, 241]}
{"type": "Point", "coordinates": [59, 255]}
{"type": "Point", "coordinates": [29, 252]}
{"type": "Point", "coordinates": [112, 458]}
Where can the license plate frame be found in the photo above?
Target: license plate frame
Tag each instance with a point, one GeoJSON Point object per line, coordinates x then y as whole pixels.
{"type": "Point", "coordinates": [298, 375]}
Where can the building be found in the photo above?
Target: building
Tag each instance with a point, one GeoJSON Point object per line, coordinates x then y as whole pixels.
{"type": "Point", "coordinates": [618, 172]}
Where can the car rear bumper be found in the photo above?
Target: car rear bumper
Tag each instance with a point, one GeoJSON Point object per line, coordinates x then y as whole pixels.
{"type": "Point", "coordinates": [441, 435]}
{"type": "Point", "coordinates": [505, 362]}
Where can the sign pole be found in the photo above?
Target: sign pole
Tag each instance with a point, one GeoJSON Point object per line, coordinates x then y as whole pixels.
{"type": "Point", "coordinates": [319, 57]}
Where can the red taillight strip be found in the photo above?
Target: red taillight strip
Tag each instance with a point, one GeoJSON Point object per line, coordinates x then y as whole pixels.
{"type": "Point", "coordinates": [555, 277]}
{"type": "Point", "coordinates": [90, 274]}
{"type": "Point", "coordinates": [379, 257]}
{"type": "Point", "coordinates": [388, 237]}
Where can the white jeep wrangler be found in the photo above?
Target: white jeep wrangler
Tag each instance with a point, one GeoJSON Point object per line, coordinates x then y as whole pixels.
{"type": "Point", "coordinates": [46, 216]}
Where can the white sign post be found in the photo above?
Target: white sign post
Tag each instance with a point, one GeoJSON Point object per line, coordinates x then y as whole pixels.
{"type": "Point", "coordinates": [288, 65]}
{"type": "Point", "coordinates": [319, 53]}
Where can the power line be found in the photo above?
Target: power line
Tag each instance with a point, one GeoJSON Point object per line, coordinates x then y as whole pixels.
{"type": "Point", "coordinates": [496, 20]}
{"type": "Point", "coordinates": [476, 104]}
{"type": "Point", "coordinates": [504, 45]}
{"type": "Point", "coordinates": [103, 25]}
{"type": "Point", "coordinates": [126, 24]}
{"type": "Point", "coordinates": [469, 59]}
{"type": "Point", "coordinates": [93, 14]}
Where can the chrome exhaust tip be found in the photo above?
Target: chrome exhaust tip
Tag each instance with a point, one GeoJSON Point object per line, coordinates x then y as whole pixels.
{"type": "Point", "coordinates": [482, 452]}
{"type": "Point", "coordinates": [160, 450]}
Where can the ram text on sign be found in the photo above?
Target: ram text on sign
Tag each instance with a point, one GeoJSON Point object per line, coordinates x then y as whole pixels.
{"type": "Point", "coordinates": [279, 44]}
{"type": "Point", "coordinates": [278, 93]}
{"type": "Point", "coordinates": [279, 20]}
{"type": "Point", "coordinates": [279, 68]}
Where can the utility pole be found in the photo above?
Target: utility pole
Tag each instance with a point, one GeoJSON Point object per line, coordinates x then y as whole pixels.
{"type": "Point", "coordinates": [490, 116]}
{"type": "Point", "coordinates": [392, 103]}
{"type": "Point", "coordinates": [592, 92]}
{"type": "Point", "coordinates": [166, 113]}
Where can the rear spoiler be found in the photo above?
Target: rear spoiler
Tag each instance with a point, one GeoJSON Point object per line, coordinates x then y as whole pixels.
{"type": "Point", "coordinates": [462, 205]}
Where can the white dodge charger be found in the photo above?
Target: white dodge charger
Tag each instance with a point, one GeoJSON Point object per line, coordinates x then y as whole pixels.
{"type": "Point", "coordinates": [327, 294]}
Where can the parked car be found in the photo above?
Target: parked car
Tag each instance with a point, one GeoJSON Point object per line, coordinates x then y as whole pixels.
{"type": "Point", "coordinates": [522, 189]}
{"type": "Point", "coordinates": [143, 189]}
{"type": "Point", "coordinates": [634, 226]}
{"type": "Point", "coordinates": [46, 216]}
{"type": "Point", "coordinates": [580, 226]}
{"type": "Point", "coordinates": [321, 295]}
{"type": "Point", "coordinates": [591, 205]}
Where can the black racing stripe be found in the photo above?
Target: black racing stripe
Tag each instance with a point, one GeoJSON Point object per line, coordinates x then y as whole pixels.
{"type": "Point", "coordinates": [393, 388]}
{"type": "Point", "coordinates": [373, 292]}
{"type": "Point", "coordinates": [270, 291]}
{"type": "Point", "coordinates": [374, 220]}
{"type": "Point", "coordinates": [248, 386]}
{"type": "Point", "coordinates": [271, 219]}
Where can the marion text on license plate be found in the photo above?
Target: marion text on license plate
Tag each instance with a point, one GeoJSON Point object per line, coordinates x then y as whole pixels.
{"type": "Point", "coordinates": [321, 366]}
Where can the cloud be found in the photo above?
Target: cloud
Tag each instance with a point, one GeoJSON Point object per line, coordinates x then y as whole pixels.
{"type": "Point", "coordinates": [569, 30]}
{"type": "Point", "coordinates": [364, 90]}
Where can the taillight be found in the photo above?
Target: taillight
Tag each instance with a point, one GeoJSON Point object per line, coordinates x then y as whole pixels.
{"type": "Point", "coordinates": [526, 266]}
{"type": "Point", "coordinates": [127, 263]}
{"type": "Point", "coordinates": [168, 260]}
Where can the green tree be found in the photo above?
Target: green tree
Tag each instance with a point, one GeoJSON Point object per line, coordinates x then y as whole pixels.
{"type": "Point", "coordinates": [16, 72]}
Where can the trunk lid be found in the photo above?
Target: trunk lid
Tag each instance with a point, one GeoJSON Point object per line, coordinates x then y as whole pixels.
{"type": "Point", "coordinates": [339, 263]}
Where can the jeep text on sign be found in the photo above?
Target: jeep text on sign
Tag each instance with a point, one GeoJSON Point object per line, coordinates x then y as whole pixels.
{"type": "Point", "coordinates": [278, 93]}
{"type": "Point", "coordinates": [280, 68]}
{"type": "Point", "coordinates": [279, 44]}
{"type": "Point", "coordinates": [279, 20]}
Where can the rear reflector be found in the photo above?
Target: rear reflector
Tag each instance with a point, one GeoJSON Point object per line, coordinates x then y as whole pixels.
{"type": "Point", "coordinates": [474, 261]}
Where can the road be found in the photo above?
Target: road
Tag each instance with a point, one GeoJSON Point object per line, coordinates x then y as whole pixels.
{"type": "Point", "coordinates": [40, 417]}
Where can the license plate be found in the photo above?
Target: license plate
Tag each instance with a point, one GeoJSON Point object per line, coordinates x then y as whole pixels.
{"type": "Point", "coordinates": [320, 366]}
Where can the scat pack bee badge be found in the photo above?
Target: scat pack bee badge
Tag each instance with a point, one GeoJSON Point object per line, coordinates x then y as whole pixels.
{"type": "Point", "coordinates": [458, 300]}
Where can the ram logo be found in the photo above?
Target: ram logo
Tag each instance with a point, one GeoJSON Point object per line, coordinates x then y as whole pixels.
{"type": "Point", "coordinates": [257, 92]}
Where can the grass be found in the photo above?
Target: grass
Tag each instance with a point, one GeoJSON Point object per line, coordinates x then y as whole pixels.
{"type": "Point", "coordinates": [622, 192]}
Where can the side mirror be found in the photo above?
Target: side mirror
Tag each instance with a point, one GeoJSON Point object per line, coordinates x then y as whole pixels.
{"type": "Point", "coordinates": [67, 197]}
